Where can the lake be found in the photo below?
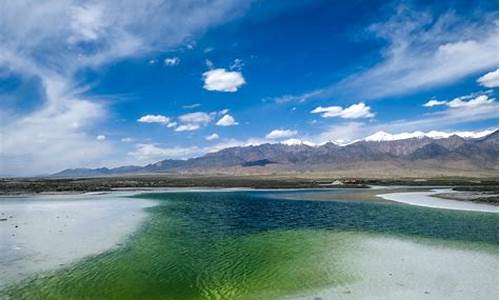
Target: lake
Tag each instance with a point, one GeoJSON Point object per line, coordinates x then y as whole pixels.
{"type": "Point", "coordinates": [243, 244]}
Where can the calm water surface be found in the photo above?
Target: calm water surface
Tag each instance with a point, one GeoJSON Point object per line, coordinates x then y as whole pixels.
{"type": "Point", "coordinates": [256, 245]}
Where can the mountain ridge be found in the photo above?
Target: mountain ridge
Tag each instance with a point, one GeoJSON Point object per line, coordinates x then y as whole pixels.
{"type": "Point", "coordinates": [450, 154]}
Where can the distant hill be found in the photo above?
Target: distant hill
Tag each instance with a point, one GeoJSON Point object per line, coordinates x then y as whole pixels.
{"type": "Point", "coordinates": [378, 156]}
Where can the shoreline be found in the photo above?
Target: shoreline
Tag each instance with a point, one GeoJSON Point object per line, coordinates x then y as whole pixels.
{"type": "Point", "coordinates": [16, 186]}
{"type": "Point", "coordinates": [427, 199]}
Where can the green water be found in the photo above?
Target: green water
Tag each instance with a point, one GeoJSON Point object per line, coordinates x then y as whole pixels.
{"type": "Point", "coordinates": [246, 245]}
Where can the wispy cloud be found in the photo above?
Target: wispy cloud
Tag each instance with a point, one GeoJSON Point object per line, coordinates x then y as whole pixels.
{"type": "Point", "coordinates": [293, 98]}
{"type": "Point", "coordinates": [424, 50]}
{"type": "Point", "coordinates": [52, 41]}
{"type": "Point", "coordinates": [194, 105]}
{"type": "Point", "coordinates": [147, 153]}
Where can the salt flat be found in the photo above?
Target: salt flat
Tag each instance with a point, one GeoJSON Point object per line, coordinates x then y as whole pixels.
{"type": "Point", "coordinates": [48, 231]}
{"type": "Point", "coordinates": [425, 199]}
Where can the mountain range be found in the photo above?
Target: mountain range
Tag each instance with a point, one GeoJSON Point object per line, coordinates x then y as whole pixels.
{"type": "Point", "coordinates": [380, 155]}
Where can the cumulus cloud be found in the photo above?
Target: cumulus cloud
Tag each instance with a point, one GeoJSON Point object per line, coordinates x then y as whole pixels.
{"type": "Point", "coordinates": [196, 118]}
{"type": "Point", "coordinates": [193, 121]}
{"type": "Point", "coordinates": [172, 61]}
{"type": "Point", "coordinates": [127, 139]}
{"type": "Point", "coordinates": [211, 137]}
{"type": "Point", "coordinates": [101, 137]}
{"type": "Point", "coordinates": [281, 133]}
{"type": "Point", "coordinates": [355, 111]}
{"type": "Point", "coordinates": [222, 80]}
{"type": "Point", "coordinates": [489, 80]}
{"type": "Point", "coordinates": [463, 102]}
{"type": "Point", "coordinates": [226, 120]}
{"type": "Point", "coordinates": [154, 119]}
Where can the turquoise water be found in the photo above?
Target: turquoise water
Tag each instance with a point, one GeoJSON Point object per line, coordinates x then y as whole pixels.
{"type": "Point", "coordinates": [251, 245]}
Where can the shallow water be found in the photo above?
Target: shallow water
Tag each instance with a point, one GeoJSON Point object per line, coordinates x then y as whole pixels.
{"type": "Point", "coordinates": [254, 245]}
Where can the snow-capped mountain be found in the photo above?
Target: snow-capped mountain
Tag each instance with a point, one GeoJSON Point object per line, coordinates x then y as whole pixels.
{"type": "Point", "coordinates": [384, 136]}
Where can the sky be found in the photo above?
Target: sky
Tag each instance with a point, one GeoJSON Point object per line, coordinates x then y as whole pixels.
{"type": "Point", "coordinates": [113, 83]}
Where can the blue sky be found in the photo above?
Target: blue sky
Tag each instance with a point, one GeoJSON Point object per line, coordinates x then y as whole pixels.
{"type": "Point", "coordinates": [86, 84]}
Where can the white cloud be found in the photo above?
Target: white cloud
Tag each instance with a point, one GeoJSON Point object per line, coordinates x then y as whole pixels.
{"type": "Point", "coordinates": [463, 102]}
{"type": "Point", "coordinates": [213, 136]}
{"type": "Point", "coordinates": [146, 153]}
{"type": "Point", "coordinates": [87, 23]}
{"type": "Point", "coordinates": [328, 111]}
{"type": "Point", "coordinates": [489, 80]}
{"type": "Point", "coordinates": [433, 102]}
{"type": "Point", "coordinates": [187, 127]}
{"type": "Point", "coordinates": [468, 109]}
{"type": "Point", "coordinates": [478, 101]}
{"type": "Point", "coordinates": [191, 121]}
{"type": "Point", "coordinates": [51, 42]}
{"type": "Point", "coordinates": [196, 117]}
{"type": "Point", "coordinates": [127, 140]}
{"type": "Point", "coordinates": [154, 119]}
{"type": "Point", "coordinates": [226, 120]}
{"type": "Point", "coordinates": [424, 51]}
{"type": "Point", "coordinates": [172, 61]}
{"type": "Point", "coordinates": [355, 111]}
{"type": "Point", "coordinates": [224, 111]}
{"type": "Point", "coordinates": [53, 137]}
{"type": "Point", "coordinates": [101, 137]}
{"type": "Point", "coordinates": [223, 81]}
{"type": "Point", "coordinates": [281, 133]}
{"type": "Point", "coordinates": [439, 120]}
